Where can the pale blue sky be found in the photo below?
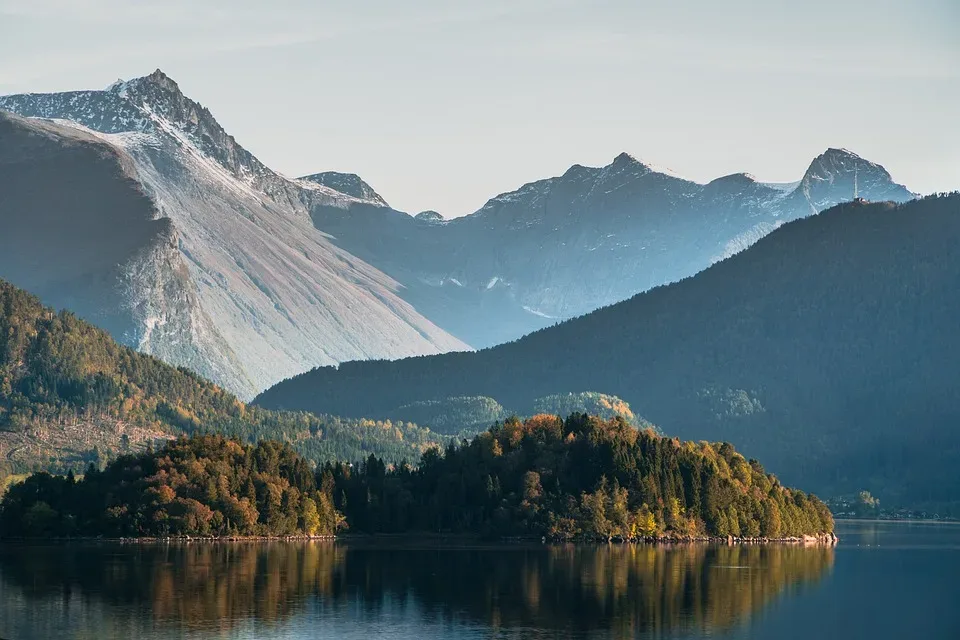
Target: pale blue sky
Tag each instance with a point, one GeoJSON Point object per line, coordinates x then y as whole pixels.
{"type": "Point", "coordinates": [442, 105]}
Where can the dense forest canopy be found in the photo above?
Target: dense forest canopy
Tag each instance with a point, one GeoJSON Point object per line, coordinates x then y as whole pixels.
{"type": "Point", "coordinates": [70, 395]}
{"type": "Point", "coordinates": [828, 349]}
{"type": "Point", "coordinates": [205, 485]}
{"type": "Point", "coordinates": [579, 478]}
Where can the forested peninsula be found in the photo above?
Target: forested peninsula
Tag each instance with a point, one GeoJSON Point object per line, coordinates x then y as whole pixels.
{"type": "Point", "coordinates": [580, 478]}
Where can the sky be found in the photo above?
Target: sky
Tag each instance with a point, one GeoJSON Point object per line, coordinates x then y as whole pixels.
{"type": "Point", "coordinates": [443, 104]}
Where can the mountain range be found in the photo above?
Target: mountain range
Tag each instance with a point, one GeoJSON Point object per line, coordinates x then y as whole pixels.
{"type": "Point", "coordinates": [138, 212]}
{"type": "Point", "coordinates": [562, 247]}
{"type": "Point", "coordinates": [134, 208]}
{"type": "Point", "coordinates": [828, 349]}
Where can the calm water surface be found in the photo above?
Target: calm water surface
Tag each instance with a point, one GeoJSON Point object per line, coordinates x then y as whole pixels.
{"type": "Point", "coordinates": [885, 580]}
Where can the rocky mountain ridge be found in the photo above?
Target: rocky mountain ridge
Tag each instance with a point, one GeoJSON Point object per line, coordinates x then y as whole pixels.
{"type": "Point", "coordinates": [560, 247]}
{"type": "Point", "coordinates": [272, 275]}
{"type": "Point", "coordinates": [235, 282]}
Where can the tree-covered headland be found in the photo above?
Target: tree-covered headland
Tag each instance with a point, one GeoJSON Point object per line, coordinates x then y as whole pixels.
{"type": "Point", "coordinates": [582, 478]}
{"type": "Point", "coordinates": [579, 478]}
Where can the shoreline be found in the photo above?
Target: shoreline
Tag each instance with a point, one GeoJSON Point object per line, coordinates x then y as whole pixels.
{"type": "Point", "coordinates": [900, 520]}
{"type": "Point", "coordinates": [829, 539]}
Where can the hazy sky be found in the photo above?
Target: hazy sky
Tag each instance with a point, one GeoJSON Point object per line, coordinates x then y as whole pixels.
{"type": "Point", "coordinates": [443, 104]}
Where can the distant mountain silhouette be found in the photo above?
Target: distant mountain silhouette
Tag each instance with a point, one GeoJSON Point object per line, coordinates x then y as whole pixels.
{"type": "Point", "coordinates": [828, 349]}
{"type": "Point", "coordinates": [564, 246]}
{"type": "Point", "coordinates": [255, 277]}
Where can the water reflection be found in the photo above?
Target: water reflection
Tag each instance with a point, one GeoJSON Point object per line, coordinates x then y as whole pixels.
{"type": "Point", "coordinates": [217, 590]}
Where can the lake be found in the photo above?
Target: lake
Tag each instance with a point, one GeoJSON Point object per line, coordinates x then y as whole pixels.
{"type": "Point", "coordinates": [884, 580]}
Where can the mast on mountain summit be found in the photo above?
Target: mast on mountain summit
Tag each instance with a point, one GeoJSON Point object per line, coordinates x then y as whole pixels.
{"type": "Point", "coordinates": [856, 186]}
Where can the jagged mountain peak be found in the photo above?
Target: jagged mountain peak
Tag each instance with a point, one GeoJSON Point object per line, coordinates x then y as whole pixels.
{"type": "Point", "coordinates": [626, 164]}
{"type": "Point", "coordinates": [155, 105]}
{"type": "Point", "coordinates": [349, 183]}
{"type": "Point", "coordinates": [158, 79]}
{"type": "Point", "coordinates": [624, 158]}
{"type": "Point", "coordinates": [839, 160]}
{"type": "Point", "coordinates": [622, 162]}
{"type": "Point", "coordinates": [839, 175]}
{"type": "Point", "coordinates": [160, 94]}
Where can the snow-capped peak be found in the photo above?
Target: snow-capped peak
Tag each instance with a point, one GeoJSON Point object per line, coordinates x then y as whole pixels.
{"type": "Point", "coordinates": [155, 105]}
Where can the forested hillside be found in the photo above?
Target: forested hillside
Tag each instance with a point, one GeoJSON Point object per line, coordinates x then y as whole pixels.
{"type": "Point", "coordinates": [206, 485]}
{"type": "Point", "coordinates": [70, 395]}
{"type": "Point", "coordinates": [579, 478]}
{"type": "Point", "coordinates": [582, 478]}
{"type": "Point", "coordinates": [828, 350]}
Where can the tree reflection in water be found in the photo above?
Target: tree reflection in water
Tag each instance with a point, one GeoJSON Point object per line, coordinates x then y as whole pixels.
{"type": "Point", "coordinates": [622, 590]}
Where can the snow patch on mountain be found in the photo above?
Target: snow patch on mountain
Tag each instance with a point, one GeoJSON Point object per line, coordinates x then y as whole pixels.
{"type": "Point", "coordinates": [538, 313]}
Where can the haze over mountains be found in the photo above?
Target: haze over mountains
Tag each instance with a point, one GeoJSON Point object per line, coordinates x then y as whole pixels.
{"type": "Point", "coordinates": [828, 350]}
{"type": "Point", "coordinates": [139, 212]}
{"type": "Point", "coordinates": [152, 222]}
{"type": "Point", "coordinates": [564, 246]}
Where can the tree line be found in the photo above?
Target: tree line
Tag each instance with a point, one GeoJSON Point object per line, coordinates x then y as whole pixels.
{"type": "Point", "coordinates": [579, 478]}
{"type": "Point", "coordinates": [56, 369]}
{"type": "Point", "coordinates": [205, 485]}
{"type": "Point", "coordinates": [828, 350]}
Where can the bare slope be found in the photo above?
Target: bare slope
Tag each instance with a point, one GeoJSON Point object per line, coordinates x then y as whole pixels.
{"type": "Point", "coordinates": [160, 227]}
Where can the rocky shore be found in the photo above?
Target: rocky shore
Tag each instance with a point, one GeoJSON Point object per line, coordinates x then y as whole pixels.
{"type": "Point", "coordinates": [828, 538]}
{"type": "Point", "coordinates": [819, 539]}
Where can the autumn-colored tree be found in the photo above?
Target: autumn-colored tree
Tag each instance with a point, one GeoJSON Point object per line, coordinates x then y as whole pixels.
{"type": "Point", "coordinates": [205, 485]}
{"type": "Point", "coordinates": [581, 477]}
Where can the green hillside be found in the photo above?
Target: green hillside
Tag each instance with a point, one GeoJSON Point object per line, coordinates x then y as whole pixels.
{"type": "Point", "coordinates": [70, 395]}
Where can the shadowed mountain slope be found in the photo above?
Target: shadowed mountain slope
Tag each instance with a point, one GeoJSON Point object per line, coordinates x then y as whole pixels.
{"type": "Point", "coordinates": [828, 349]}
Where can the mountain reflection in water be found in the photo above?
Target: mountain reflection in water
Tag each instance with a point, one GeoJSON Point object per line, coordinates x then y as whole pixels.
{"type": "Point", "coordinates": [108, 590]}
